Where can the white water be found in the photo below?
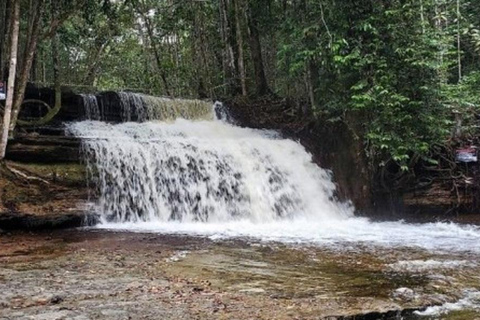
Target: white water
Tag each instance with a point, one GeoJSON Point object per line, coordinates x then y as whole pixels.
{"type": "Point", "coordinates": [214, 179]}
{"type": "Point", "coordinates": [91, 107]}
{"type": "Point", "coordinates": [144, 107]}
{"type": "Point", "coordinates": [141, 107]}
{"type": "Point", "coordinates": [430, 265]}
{"type": "Point", "coordinates": [204, 171]}
{"type": "Point", "coordinates": [339, 233]}
{"type": "Point", "coordinates": [470, 301]}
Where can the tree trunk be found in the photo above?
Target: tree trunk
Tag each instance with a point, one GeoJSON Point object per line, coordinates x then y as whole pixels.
{"type": "Point", "coordinates": [313, 84]}
{"type": "Point", "coordinates": [256, 52]}
{"type": "Point", "coordinates": [57, 86]}
{"type": "Point", "coordinates": [228, 56]}
{"type": "Point", "coordinates": [11, 78]}
{"type": "Point", "coordinates": [197, 53]}
{"type": "Point", "coordinates": [223, 40]}
{"type": "Point", "coordinates": [422, 16]}
{"type": "Point", "coordinates": [3, 39]}
{"type": "Point", "coordinates": [30, 49]}
{"type": "Point", "coordinates": [241, 63]}
{"type": "Point", "coordinates": [91, 73]}
{"type": "Point", "coordinates": [5, 29]}
{"type": "Point", "coordinates": [459, 47]}
{"type": "Point", "coordinates": [155, 50]}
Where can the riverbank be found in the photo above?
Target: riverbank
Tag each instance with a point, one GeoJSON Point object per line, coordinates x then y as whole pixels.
{"type": "Point", "coordinates": [97, 274]}
{"type": "Point", "coordinates": [42, 196]}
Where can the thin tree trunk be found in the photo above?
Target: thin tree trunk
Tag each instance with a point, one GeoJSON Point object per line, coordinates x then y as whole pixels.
{"type": "Point", "coordinates": [11, 78]}
{"type": "Point", "coordinates": [30, 49]}
{"type": "Point", "coordinates": [223, 40]}
{"type": "Point", "coordinates": [5, 30]}
{"type": "Point", "coordinates": [256, 52]}
{"type": "Point", "coordinates": [312, 78]}
{"type": "Point", "coordinates": [459, 47]}
{"type": "Point", "coordinates": [91, 73]}
{"type": "Point", "coordinates": [146, 55]}
{"type": "Point", "coordinates": [3, 39]}
{"type": "Point", "coordinates": [241, 63]}
{"type": "Point", "coordinates": [56, 74]}
{"type": "Point", "coordinates": [203, 43]}
{"type": "Point", "coordinates": [229, 56]}
{"type": "Point", "coordinates": [57, 86]}
{"type": "Point", "coordinates": [155, 50]}
{"type": "Point", "coordinates": [44, 66]}
{"type": "Point", "coordinates": [197, 54]}
{"type": "Point", "coordinates": [157, 58]}
{"type": "Point", "coordinates": [422, 16]}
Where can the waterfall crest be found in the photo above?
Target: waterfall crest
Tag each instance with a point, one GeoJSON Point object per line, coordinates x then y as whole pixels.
{"type": "Point", "coordinates": [140, 107]}
{"type": "Point", "coordinates": [91, 107]}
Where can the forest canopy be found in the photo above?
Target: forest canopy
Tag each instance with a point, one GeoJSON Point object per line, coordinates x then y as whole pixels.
{"type": "Point", "coordinates": [408, 67]}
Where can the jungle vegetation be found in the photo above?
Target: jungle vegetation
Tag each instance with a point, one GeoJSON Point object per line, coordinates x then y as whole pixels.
{"type": "Point", "coordinates": [410, 68]}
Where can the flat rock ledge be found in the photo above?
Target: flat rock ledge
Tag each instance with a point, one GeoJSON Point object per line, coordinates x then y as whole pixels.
{"type": "Point", "coordinates": [11, 221]}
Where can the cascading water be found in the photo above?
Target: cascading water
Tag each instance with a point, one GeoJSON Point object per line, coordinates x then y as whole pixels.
{"type": "Point", "coordinates": [216, 179]}
{"type": "Point", "coordinates": [90, 107]}
{"type": "Point", "coordinates": [142, 107]}
{"type": "Point", "coordinates": [207, 171]}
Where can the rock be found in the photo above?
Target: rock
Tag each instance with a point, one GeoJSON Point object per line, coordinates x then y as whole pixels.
{"type": "Point", "coordinates": [56, 299]}
{"type": "Point", "coordinates": [114, 314]}
{"type": "Point", "coordinates": [22, 221]}
{"type": "Point", "coordinates": [405, 294]}
{"type": "Point", "coordinates": [253, 290]}
{"type": "Point", "coordinates": [43, 149]}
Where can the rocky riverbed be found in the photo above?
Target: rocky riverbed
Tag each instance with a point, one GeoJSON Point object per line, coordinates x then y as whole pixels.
{"type": "Point", "coordinates": [98, 274]}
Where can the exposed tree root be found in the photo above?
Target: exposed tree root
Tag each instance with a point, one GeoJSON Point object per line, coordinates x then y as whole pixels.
{"type": "Point", "coordinates": [22, 175]}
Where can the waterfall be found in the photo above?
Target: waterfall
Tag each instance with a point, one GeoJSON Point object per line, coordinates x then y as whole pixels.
{"type": "Point", "coordinates": [142, 107]}
{"type": "Point", "coordinates": [90, 107]}
{"type": "Point", "coordinates": [130, 106]}
{"type": "Point", "coordinates": [204, 171]}
{"type": "Point", "coordinates": [212, 178]}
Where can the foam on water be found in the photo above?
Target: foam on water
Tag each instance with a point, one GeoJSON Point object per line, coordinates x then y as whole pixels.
{"type": "Point", "coordinates": [437, 237]}
{"type": "Point", "coordinates": [470, 301]}
{"type": "Point", "coordinates": [420, 266]}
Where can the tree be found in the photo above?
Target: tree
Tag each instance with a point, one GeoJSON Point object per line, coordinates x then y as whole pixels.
{"type": "Point", "coordinates": [256, 50]}
{"type": "Point", "coordinates": [33, 34]}
{"type": "Point", "coordinates": [11, 78]}
{"type": "Point", "coordinates": [5, 29]}
{"type": "Point", "coordinates": [240, 60]}
{"type": "Point", "coordinates": [402, 65]}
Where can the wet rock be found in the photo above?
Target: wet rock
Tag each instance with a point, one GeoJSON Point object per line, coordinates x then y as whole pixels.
{"type": "Point", "coordinates": [25, 221]}
{"type": "Point", "coordinates": [253, 290]}
{"type": "Point", "coordinates": [404, 294]}
{"type": "Point", "coordinates": [4, 303]}
{"type": "Point", "coordinates": [44, 149]}
{"type": "Point", "coordinates": [115, 314]}
{"type": "Point", "coordinates": [52, 315]}
{"type": "Point", "coordinates": [56, 299]}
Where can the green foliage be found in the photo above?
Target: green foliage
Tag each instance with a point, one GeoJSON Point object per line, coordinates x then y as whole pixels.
{"type": "Point", "coordinates": [391, 63]}
{"type": "Point", "coordinates": [404, 67]}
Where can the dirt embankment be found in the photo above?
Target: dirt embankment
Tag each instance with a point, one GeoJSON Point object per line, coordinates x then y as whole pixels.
{"type": "Point", "coordinates": [36, 196]}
